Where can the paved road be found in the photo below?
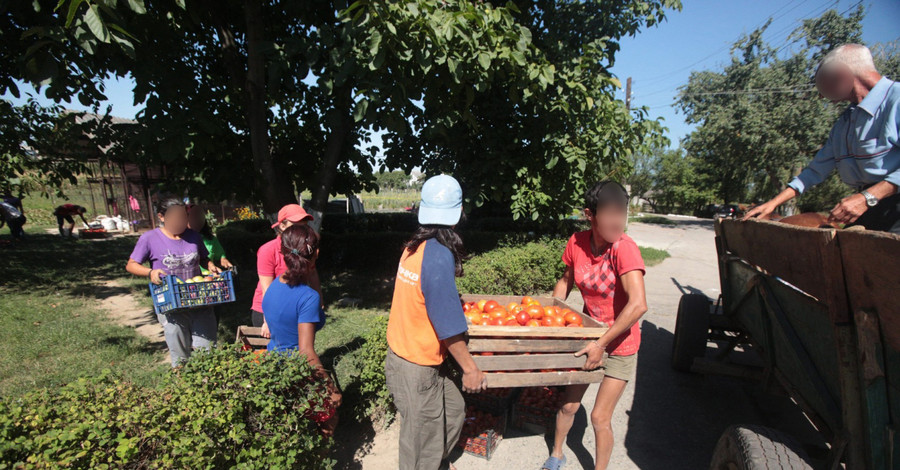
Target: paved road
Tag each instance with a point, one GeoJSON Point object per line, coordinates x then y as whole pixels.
{"type": "Point", "coordinates": [666, 420]}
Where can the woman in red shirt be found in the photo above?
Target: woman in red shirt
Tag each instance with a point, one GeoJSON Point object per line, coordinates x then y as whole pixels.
{"type": "Point", "coordinates": [607, 267]}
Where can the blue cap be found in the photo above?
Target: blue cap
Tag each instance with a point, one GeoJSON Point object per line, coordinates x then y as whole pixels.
{"type": "Point", "coordinates": [441, 201]}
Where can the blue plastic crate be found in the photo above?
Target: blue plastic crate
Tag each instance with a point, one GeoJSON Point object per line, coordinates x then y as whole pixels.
{"type": "Point", "coordinates": [171, 294]}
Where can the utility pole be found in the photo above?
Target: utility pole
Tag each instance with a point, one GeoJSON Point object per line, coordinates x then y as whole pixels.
{"type": "Point", "coordinates": [628, 94]}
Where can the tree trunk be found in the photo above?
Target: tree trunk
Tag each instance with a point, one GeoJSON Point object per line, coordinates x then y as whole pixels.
{"type": "Point", "coordinates": [340, 124]}
{"type": "Point", "coordinates": [276, 190]}
{"type": "Point", "coordinates": [250, 83]}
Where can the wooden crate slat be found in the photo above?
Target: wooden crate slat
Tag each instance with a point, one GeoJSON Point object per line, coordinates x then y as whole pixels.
{"type": "Point", "coordinates": [480, 331]}
{"type": "Point", "coordinates": [257, 341]}
{"type": "Point", "coordinates": [526, 345]}
{"type": "Point", "coordinates": [251, 336]}
{"type": "Point", "coordinates": [529, 362]}
{"type": "Point", "coordinates": [533, 379]}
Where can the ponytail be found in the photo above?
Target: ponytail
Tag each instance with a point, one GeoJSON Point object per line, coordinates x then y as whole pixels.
{"type": "Point", "coordinates": [299, 246]}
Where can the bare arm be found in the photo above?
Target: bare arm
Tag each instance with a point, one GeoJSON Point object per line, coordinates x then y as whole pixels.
{"type": "Point", "coordinates": [853, 206]}
{"type": "Point", "coordinates": [769, 206]}
{"type": "Point", "coordinates": [633, 284]}
{"type": "Point", "coordinates": [473, 378]}
{"type": "Point", "coordinates": [306, 346]}
{"type": "Point", "coordinates": [139, 269]}
{"type": "Point", "coordinates": [564, 284]}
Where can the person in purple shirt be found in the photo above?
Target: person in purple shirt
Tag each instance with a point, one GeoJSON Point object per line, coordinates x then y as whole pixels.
{"type": "Point", "coordinates": [175, 249]}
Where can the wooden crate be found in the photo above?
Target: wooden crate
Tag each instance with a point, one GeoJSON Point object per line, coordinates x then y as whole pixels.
{"type": "Point", "coordinates": [251, 338]}
{"type": "Point", "coordinates": [549, 349]}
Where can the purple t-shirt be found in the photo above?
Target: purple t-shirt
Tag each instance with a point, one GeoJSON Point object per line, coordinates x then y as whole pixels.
{"type": "Point", "coordinates": [179, 257]}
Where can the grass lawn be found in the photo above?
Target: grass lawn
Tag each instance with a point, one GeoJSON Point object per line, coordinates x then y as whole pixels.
{"type": "Point", "coordinates": [652, 219]}
{"type": "Point", "coordinates": [653, 256]}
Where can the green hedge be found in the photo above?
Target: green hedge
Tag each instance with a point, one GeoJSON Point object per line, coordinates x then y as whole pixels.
{"type": "Point", "coordinates": [224, 408]}
{"type": "Point", "coordinates": [407, 222]}
{"type": "Point", "coordinates": [525, 269]}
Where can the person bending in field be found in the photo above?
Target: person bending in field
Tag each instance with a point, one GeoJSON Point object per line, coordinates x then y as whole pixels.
{"type": "Point", "coordinates": [608, 269]}
{"type": "Point", "coordinates": [177, 250]}
{"type": "Point", "coordinates": [270, 263]}
{"type": "Point", "coordinates": [294, 308]}
{"type": "Point", "coordinates": [64, 213]}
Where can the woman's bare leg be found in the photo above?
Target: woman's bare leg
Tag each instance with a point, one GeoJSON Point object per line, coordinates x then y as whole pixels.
{"type": "Point", "coordinates": [565, 416]}
{"type": "Point", "coordinates": [601, 418]}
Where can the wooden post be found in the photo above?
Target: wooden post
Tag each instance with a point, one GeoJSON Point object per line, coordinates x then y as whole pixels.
{"type": "Point", "coordinates": [128, 211]}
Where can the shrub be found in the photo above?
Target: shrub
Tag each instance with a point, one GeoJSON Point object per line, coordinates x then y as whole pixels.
{"type": "Point", "coordinates": [376, 399]}
{"type": "Point", "coordinates": [223, 408]}
{"type": "Point", "coordinates": [515, 270]}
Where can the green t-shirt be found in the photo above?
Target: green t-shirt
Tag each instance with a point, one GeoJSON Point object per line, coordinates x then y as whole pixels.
{"type": "Point", "coordinates": [216, 252]}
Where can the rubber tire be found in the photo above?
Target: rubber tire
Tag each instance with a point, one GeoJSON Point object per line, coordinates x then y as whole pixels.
{"type": "Point", "coordinates": [691, 331]}
{"type": "Point", "coordinates": [753, 447]}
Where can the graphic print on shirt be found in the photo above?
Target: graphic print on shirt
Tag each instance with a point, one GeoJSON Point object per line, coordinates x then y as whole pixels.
{"type": "Point", "coordinates": [599, 277]}
{"type": "Point", "coordinates": [180, 264]}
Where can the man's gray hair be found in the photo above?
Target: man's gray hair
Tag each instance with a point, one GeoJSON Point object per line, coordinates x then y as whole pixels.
{"type": "Point", "coordinates": [855, 57]}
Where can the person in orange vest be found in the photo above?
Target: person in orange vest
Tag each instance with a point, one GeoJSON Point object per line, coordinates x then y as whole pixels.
{"type": "Point", "coordinates": [425, 324]}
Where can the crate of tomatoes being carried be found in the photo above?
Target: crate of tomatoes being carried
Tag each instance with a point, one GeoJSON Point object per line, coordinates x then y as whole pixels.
{"type": "Point", "coordinates": [527, 342]}
{"type": "Point", "coordinates": [492, 400]}
{"type": "Point", "coordinates": [535, 409]}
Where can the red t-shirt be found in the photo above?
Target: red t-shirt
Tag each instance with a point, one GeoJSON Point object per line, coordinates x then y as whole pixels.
{"type": "Point", "coordinates": [269, 262]}
{"type": "Point", "coordinates": [598, 279]}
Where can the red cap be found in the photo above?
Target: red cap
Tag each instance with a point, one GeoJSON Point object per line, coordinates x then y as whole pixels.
{"type": "Point", "coordinates": [293, 213]}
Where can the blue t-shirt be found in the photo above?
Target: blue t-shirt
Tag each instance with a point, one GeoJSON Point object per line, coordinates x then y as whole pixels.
{"type": "Point", "coordinates": [286, 307]}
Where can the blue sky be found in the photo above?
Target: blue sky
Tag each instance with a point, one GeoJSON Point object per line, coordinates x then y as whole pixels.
{"type": "Point", "coordinates": [699, 37]}
{"type": "Point", "coordinates": [660, 59]}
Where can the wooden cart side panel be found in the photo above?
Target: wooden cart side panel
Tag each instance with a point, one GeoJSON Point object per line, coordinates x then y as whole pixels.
{"type": "Point", "coordinates": [529, 362]}
{"type": "Point", "coordinates": [807, 258]}
{"type": "Point", "coordinates": [872, 268]}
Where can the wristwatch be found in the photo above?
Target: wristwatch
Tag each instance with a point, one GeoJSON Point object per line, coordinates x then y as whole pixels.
{"type": "Point", "coordinates": [871, 200]}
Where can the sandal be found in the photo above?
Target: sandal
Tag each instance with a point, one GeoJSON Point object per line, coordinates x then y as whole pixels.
{"type": "Point", "coordinates": [554, 463]}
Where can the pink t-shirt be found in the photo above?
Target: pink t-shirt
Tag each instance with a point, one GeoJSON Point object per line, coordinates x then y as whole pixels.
{"type": "Point", "coordinates": [269, 262]}
{"type": "Point", "coordinates": [598, 279]}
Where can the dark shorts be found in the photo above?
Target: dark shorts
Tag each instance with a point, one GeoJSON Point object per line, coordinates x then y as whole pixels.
{"type": "Point", "coordinates": [257, 318]}
{"type": "Point", "coordinates": [61, 218]}
{"type": "Point", "coordinates": [884, 217]}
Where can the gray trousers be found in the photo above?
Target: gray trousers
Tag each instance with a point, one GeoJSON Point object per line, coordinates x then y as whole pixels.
{"type": "Point", "coordinates": [432, 411]}
{"type": "Point", "coordinates": [186, 329]}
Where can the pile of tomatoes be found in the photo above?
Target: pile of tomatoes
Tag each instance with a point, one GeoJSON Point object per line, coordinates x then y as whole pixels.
{"type": "Point", "coordinates": [528, 312]}
{"type": "Point", "coordinates": [538, 405]}
{"type": "Point", "coordinates": [481, 432]}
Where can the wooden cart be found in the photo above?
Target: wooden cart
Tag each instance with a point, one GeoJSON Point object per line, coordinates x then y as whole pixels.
{"type": "Point", "coordinates": [518, 351]}
{"type": "Point", "coordinates": [821, 307]}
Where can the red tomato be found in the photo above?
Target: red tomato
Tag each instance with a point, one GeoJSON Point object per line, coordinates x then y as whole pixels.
{"type": "Point", "coordinates": [547, 321]}
{"type": "Point", "coordinates": [535, 311]}
{"type": "Point", "coordinates": [497, 321]}
{"type": "Point", "coordinates": [511, 322]}
{"type": "Point", "coordinates": [498, 312]}
{"type": "Point", "coordinates": [510, 306]}
{"type": "Point", "coordinates": [490, 305]}
{"type": "Point", "coordinates": [523, 318]}
{"type": "Point", "coordinates": [558, 321]}
{"type": "Point", "coordinates": [533, 322]}
{"type": "Point", "coordinates": [526, 300]}
{"type": "Point", "coordinates": [481, 303]}
{"type": "Point", "coordinates": [573, 318]}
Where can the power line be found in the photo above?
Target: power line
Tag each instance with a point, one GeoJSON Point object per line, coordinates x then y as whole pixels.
{"type": "Point", "coordinates": [785, 43]}
{"type": "Point", "coordinates": [753, 91]}
{"type": "Point", "coordinates": [726, 46]}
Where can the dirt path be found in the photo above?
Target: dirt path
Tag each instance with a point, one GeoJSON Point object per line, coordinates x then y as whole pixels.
{"type": "Point", "coordinates": [665, 420]}
{"type": "Point", "coordinates": [125, 310]}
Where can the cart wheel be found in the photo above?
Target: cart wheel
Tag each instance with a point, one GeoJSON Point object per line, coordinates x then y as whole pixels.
{"type": "Point", "coordinates": [691, 331]}
{"type": "Point", "coordinates": [752, 447]}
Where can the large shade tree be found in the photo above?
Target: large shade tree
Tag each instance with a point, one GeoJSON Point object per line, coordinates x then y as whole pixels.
{"type": "Point", "coordinates": [260, 100]}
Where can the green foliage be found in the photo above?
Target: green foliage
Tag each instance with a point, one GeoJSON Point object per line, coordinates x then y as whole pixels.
{"type": "Point", "coordinates": [392, 180]}
{"type": "Point", "coordinates": [224, 408]}
{"type": "Point", "coordinates": [671, 181]}
{"type": "Point", "coordinates": [653, 256]}
{"type": "Point", "coordinates": [376, 399]}
{"type": "Point", "coordinates": [530, 268]}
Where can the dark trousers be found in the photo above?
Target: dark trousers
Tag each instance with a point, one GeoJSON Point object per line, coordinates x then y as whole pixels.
{"type": "Point", "coordinates": [884, 217]}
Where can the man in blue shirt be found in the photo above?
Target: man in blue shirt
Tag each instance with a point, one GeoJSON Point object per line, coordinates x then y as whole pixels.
{"type": "Point", "coordinates": [863, 146]}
